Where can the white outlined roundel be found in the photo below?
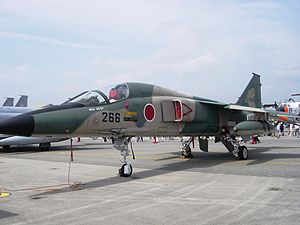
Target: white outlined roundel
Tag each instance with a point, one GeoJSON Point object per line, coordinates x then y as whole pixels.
{"type": "Point", "coordinates": [149, 112]}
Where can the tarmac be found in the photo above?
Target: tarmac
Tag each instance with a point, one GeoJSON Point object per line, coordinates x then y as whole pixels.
{"type": "Point", "coordinates": [43, 187]}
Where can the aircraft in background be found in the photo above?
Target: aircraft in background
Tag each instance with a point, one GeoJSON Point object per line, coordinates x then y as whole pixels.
{"type": "Point", "coordinates": [7, 140]}
{"type": "Point", "coordinates": [22, 102]}
{"type": "Point", "coordinates": [288, 111]}
{"type": "Point", "coordinates": [139, 109]}
{"type": "Point", "coordinates": [8, 111]}
{"type": "Point", "coordinates": [44, 142]}
{"type": "Point", "coordinates": [290, 106]}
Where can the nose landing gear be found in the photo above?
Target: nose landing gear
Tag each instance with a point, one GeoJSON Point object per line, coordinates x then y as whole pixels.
{"type": "Point", "coordinates": [121, 144]}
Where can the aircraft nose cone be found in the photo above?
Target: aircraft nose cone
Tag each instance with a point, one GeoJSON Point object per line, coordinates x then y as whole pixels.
{"type": "Point", "coordinates": [21, 125]}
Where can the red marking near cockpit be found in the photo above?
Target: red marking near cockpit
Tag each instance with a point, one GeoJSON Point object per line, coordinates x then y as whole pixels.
{"type": "Point", "coordinates": [126, 105]}
{"type": "Point", "coordinates": [189, 109]}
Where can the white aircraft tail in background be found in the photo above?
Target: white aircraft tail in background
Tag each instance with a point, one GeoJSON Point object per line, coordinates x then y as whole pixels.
{"type": "Point", "coordinates": [8, 102]}
{"type": "Point", "coordinates": [23, 101]}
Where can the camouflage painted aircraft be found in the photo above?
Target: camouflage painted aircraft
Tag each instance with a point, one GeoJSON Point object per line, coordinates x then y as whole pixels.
{"type": "Point", "coordinates": [138, 109]}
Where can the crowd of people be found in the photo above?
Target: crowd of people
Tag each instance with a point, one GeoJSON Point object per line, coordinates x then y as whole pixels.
{"type": "Point", "coordinates": [292, 130]}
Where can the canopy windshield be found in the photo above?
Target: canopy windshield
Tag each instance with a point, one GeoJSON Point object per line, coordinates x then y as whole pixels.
{"type": "Point", "coordinates": [90, 98]}
{"type": "Point", "coordinates": [118, 93]}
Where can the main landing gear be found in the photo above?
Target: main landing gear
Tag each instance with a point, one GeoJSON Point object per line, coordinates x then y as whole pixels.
{"type": "Point", "coordinates": [233, 146]}
{"type": "Point", "coordinates": [121, 144]}
{"type": "Point", "coordinates": [186, 151]}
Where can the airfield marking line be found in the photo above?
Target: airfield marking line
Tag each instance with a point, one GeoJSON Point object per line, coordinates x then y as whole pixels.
{"type": "Point", "coordinates": [4, 194]}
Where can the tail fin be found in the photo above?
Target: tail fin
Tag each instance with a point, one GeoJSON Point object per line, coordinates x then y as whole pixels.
{"type": "Point", "coordinates": [251, 96]}
{"type": "Point", "coordinates": [9, 102]}
{"type": "Point", "coordinates": [22, 101]}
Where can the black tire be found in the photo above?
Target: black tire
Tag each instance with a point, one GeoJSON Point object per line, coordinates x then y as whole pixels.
{"type": "Point", "coordinates": [243, 153]}
{"type": "Point", "coordinates": [187, 153]}
{"type": "Point", "coordinates": [6, 147]}
{"type": "Point", "coordinates": [122, 171]}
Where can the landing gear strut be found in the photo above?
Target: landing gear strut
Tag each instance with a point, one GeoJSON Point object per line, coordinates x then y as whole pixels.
{"type": "Point", "coordinates": [186, 149]}
{"type": "Point", "coordinates": [121, 144]}
{"type": "Point", "coordinates": [233, 146]}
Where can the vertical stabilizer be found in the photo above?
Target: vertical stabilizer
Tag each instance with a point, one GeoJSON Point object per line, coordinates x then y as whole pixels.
{"type": "Point", "coordinates": [22, 101]}
{"type": "Point", "coordinates": [251, 96]}
{"type": "Point", "coordinates": [9, 102]}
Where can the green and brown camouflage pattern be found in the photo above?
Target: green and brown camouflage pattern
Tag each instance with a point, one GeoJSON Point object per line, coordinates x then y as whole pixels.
{"type": "Point", "coordinates": [126, 116]}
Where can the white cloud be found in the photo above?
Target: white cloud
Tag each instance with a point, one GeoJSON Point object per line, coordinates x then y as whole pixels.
{"type": "Point", "coordinates": [150, 67]}
{"type": "Point", "coordinates": [261, 5]}
{"type": "Point", "coordinates": [289, 72]}
{"type": "Point", "coordinates": [122, 15]}
{"type": "Point", "coordinates": [14, 74]}
{"type": "Point", "coordinates": [46, 40]}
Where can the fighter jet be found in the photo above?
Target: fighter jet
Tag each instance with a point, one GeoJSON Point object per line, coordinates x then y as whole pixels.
{"type": "Point", "coordinates": [139, 109]}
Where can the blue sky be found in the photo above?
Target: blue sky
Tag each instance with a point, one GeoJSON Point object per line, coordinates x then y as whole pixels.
{"type": "Point", "coordinates": [52, 50]}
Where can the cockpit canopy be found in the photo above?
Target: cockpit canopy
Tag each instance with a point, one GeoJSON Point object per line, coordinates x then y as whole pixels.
{"type": "Point", "coordinates": [119, 92]}
{"type": "Point", "coordinates": [97, 98]}
{"type": "Point", "coordinates": [90, 98]}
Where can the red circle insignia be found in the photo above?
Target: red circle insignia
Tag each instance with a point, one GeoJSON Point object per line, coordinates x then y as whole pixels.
{"type": "Point", "coordinates": [149, 112]}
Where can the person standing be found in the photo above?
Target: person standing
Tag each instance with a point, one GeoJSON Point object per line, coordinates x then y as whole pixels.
{"type": "Point", "coordinates": [281, 129]}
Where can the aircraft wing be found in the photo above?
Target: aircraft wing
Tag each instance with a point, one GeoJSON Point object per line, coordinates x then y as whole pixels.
{"type": "Point", "coordinates": [235, 107]}
{"type": "Point", "coordinates": [276, 115]}
{"type": "Point", "coordinates": [212, 103]}
{"type": "Point", "coordinates": [245, 108]}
